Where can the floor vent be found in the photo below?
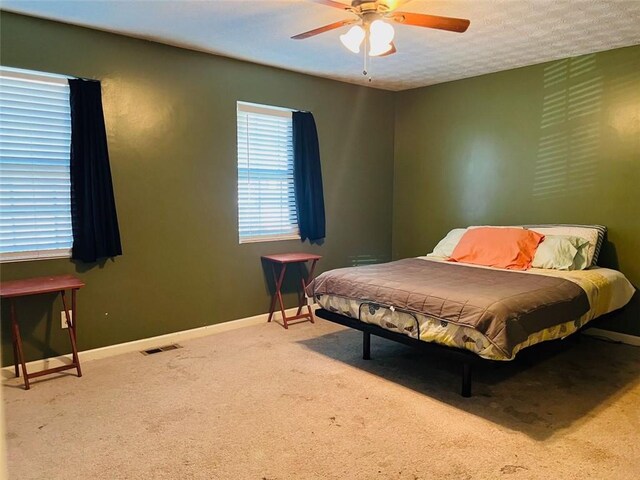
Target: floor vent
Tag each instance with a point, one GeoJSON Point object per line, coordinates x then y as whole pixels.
{"type": "Point", "coordinates": [165, 348]}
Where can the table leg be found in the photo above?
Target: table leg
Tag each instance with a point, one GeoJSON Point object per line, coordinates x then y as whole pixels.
{"type": "Point", "coordinates": [71, 327]}
{"type": "Point", "coordinates": [272, 307]}
{"type": "Point", "coordinates": [278, 294]}
{"type": "Point", "coordinates": [284, 315]}
{"type": "Point", "coordinates": [277, 280]}
{"type": "Point", "coordinates": [304, 286]}
{"type": "Point", "coordinates": [15, 354]}
{"type": "Point", "coordinates": [74, 321]}
{"type": "Point", "coordinates": [301, 294]}
{"type": "Point", "coordinates": [15, 330]}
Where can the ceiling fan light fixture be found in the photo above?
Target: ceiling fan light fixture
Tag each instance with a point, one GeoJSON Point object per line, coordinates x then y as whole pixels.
{"type": "Point", "coordinates": [376, 51]}
{"type": "Point", "coordinates": [381, 32]}
{"type": "Point", "coordinates": [380, 37]}
{"type": "Point", "coordinates": [353, 38]}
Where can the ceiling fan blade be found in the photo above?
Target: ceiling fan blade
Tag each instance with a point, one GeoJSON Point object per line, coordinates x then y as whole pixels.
{"type": "Point", "coordinates": [326, 28]}
{"type": "Point", "coordinates": [393, 4]}
{"type": "Point", "coordinates": [390, 52]}
{"type": "Point", "coordinates": [431, 21]}
{"type": "Point", "coordinates": [331, 3]}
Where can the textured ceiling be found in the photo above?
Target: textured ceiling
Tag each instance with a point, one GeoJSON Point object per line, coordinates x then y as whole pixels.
{"type": "Point", "coordinates": [504, 34]}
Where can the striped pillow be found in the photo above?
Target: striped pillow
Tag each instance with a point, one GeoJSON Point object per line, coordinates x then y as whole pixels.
{"type": "Point", "coordinates": [600, 229]}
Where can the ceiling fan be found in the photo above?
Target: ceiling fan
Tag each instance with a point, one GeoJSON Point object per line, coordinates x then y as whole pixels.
{"type": "Point", "coordinates": [371, 25]}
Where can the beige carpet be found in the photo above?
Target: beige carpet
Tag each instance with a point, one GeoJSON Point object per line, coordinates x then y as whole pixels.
{"type": "Point", "coordinates": [265, 403]}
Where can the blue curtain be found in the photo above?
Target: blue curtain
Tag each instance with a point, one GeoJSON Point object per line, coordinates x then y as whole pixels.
{"type": "Point", "coordinates": [93, 208]}
{"type": "Point", "coordinates": [307, 175]}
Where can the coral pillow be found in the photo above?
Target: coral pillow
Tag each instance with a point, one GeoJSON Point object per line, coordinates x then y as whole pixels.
{"type": "Point", "coordinates": [510, 248]}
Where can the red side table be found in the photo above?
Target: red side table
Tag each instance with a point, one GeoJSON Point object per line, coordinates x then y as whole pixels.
{"type": "Point", "coordinates": [36, 286]}
{"type": "Point", "coordinates": [284, 259]}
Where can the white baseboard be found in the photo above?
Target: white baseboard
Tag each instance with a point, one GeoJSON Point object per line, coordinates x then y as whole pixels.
{"type": "Point", "coordinates": [614, 336]}
{"type": "Point", "coordinates": [145, 343]}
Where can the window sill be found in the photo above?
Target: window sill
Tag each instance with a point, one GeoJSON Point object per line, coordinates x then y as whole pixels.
{"type": "Point", "coordinates": [269, 239]}
{"type": "Point", "coordinates": [36, 255]}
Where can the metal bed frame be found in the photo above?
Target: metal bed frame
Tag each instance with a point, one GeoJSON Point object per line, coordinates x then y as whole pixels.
{"type": "Point", "coordinates": [466, 357]}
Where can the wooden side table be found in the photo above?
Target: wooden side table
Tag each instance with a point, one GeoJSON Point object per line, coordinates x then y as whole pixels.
{"type": "Point", "coordinates": [284, 259]}
{"type": "Point", "coordinates": [37, 286]}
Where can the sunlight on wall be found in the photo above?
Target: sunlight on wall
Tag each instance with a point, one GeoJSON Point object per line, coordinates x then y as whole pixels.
{"type": "Point", "coordinates": [569, 143]}
{"type": "Point", "coordinates": [626, 120]}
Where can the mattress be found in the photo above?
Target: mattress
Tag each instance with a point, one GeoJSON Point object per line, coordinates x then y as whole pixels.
{"type": "Point", "coordinates": [605, 290]}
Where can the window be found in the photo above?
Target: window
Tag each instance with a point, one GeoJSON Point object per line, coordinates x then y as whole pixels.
{"type": "Point", "coordinates": [266, 200]}
{"type": "Point", "coordinates": [35, 140]}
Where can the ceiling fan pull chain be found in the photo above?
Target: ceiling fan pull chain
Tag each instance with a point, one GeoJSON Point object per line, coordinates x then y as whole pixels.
{"type": "Point", "coordinates": [366, 70]}
{"type": "Point", "coordinates": [364, 57]}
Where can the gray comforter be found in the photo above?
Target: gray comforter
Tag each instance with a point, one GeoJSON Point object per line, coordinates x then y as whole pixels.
{"type": "Point", "coordinates": [504, 306]}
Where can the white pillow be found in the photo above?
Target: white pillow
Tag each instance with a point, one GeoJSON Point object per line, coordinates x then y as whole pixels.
{"type": "Point", "coordinates": [561, 252]}
{"type": "Point", "coordinates": [589, 234]}
{"type": "Point", "coordinates": [445, 247]}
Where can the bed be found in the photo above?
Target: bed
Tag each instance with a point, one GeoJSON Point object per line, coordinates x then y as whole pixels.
{"type": "Point", "coordinates": [474, 311]}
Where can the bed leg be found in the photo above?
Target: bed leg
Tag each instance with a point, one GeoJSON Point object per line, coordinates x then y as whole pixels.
{"type": "Point", "coordinates": [466, 380]}
{"type": "Point", "coordinates": [366, 346]}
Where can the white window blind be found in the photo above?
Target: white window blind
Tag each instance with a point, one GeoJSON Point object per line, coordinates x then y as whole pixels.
{"type": "Point", "coordinates": [266, 200]}
{"type": "Point", "coordinates": [35, 139]}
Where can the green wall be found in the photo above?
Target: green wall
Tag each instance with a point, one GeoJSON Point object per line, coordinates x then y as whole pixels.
{"type": "Point", "coordinates": [171, 122]}
{"type": "Point", "coordinates": [552, 143]}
